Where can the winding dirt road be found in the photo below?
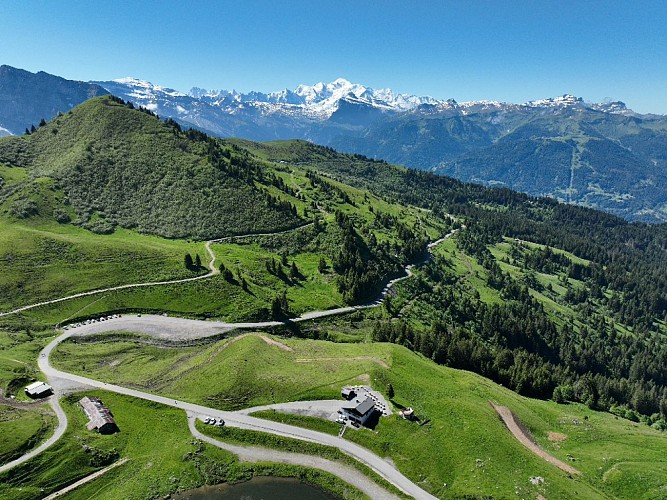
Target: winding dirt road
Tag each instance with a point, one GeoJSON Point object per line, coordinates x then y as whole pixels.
{"type": "Point", "coordinates": [518, 431]}
{"type": "Point", "coordinates": [213, 271]}
{"type": "Point", "coordinates": [257, 454]}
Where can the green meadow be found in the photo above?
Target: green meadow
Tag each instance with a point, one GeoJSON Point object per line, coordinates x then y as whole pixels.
{"type": "Point", "coordinates": [163, 458]}
{"type": "Point", "coordinates": [458, 447]}
{"type": "Point", "coordinates": [22, 430]}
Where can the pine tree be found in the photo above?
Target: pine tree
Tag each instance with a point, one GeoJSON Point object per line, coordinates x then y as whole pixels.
{"type": "Point", "coordinates": [390, 391]}
{"type": "Point", "coordinates": [188, 262]}
{"type": "Point", "coordinates": [322, 266]}
{"type": "Point", "coordinates": [42, 122]}
{"type": "Point", "coordinates": [198, 262]}
{"type": "Point", "coordinates": [276, 309]}
{"type": "Point", "coordinates": [294, 271]}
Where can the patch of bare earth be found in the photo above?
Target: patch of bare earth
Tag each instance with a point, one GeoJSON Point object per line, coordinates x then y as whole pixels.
{"type": "Point", "coordinates": [556, 437]}
{"type": "Point", "coordinates": [525, 438]}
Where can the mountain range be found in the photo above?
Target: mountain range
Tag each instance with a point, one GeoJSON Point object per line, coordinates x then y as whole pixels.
{"type": "Point", "coordinates": [601, 155]}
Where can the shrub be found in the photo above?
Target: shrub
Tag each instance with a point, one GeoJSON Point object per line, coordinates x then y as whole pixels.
{"type": "Point", "coordinates": [22, 208]}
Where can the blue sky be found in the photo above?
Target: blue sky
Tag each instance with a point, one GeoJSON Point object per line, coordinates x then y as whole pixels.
{"type": "Point", "coordinates": [467, 50]}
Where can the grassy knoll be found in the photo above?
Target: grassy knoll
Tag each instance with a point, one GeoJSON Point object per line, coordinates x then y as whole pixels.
{"type": "Point", "coordinates": [459, 440]}
{"type": "Point", "coordinates": [163, 457]}
{"type": "Point", "coordinates": [227, 375]}
{"type": "Point", "coordinates": [21, 430]}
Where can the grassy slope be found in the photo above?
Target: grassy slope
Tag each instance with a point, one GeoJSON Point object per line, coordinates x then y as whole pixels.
{"type": "Point", "coordinates": [72, 259]}
{"type": "Point", "coordinates": [52, 260]}
{"type": "Point", "coordinates": [121, 166]}
{"type": "Point", "coordinates": [18, 359]}
{"type": "Point", "coordinates": [22, 430]}
{"type": "Point", "coordinates": [461, 428]}
{"type": "Point", "coordinates": [46, 261]}
{"type": "Point", "coordinates": [163, 457]}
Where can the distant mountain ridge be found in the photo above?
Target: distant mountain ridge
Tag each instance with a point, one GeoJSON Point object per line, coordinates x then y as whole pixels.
{"type": "Point", "coordinates": [602, 155]}
{"type": "Point", "coordinates": [26, 98]}
{"type": "Point", "coordinates": [322, 100]}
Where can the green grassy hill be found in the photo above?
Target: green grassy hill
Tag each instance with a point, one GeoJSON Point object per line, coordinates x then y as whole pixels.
{"type": "Point", "coordinates": [80, 197]}
{"type": "Point", "coordinates": [459, 447]}
{"type": "Point", "coordinates": [109, 165]}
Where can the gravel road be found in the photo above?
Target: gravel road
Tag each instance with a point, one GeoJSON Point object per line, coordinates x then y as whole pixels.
{"type": "Point", "coordinates": [377, 464]}
{"type": "Point", "coordinates": [184, 329]}
{"type": "Point", "coordinates": [257, 454]}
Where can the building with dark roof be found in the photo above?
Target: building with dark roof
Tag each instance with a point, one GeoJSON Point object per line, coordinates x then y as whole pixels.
{"type": "Point", "coordinates": [348, 393]}
{"type": "Point", "coordinates": [101, 418]}
{"type": "Point", "coordinates": [360, 413]}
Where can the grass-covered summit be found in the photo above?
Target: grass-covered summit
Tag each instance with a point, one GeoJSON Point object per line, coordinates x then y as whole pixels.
{"type": "Point", "coordinates": [117, 165]}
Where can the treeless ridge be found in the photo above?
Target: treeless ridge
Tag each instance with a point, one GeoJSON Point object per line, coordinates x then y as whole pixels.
{"type": "Point", "coordinates": [518, 430]}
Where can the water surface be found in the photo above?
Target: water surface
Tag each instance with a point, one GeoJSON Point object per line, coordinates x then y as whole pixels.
{"type": "Point", "coordinates": [258, 488]}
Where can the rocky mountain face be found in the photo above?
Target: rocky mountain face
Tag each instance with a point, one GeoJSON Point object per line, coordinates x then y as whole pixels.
{"type": "Point", "coordinates": [27, 98]}
{"type": "Point", "coordinates": [602, 155]}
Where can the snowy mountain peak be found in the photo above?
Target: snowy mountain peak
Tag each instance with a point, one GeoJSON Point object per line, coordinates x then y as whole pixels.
{"type": "Point", "coordinates": [561, 101]}
{"type": "Point", "coordinates": [340, 98]}
{"type": "Point", "coordinates": [143, 88]}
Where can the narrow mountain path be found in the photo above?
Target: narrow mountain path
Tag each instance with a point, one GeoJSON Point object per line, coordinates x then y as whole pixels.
{"type": "Point", "coordinates": [213, 271]}
{"type": "Point", "coordinates": [86, 479]}
{"type": "Point", "coordinates": [523, 436]}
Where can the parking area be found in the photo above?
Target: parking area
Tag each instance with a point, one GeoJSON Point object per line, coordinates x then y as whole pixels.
{"type": "Point", "coordinates": [363, 391]}
{"type": "Point", "coordinates": [330, 409]}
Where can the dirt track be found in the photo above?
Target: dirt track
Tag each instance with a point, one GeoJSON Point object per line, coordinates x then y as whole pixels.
{"type": "Point", "coordinates": [515, 427]}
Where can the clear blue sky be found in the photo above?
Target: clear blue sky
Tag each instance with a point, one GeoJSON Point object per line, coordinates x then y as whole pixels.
{"type": "Point", "coordinates": [467, 50]}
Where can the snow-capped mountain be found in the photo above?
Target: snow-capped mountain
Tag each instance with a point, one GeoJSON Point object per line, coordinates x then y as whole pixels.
{"type": "Point", "coordinates": [319, 101]}
{"type": "Point", "coordinates": [600, 154]}
{"type": "Point", "coordinates": [317, 112]}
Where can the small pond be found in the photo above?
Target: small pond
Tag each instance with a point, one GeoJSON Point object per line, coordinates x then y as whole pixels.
{"type": "Point", "coordinates": [258, 488]}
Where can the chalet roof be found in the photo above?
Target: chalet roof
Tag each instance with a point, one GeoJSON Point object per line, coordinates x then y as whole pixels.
{"type": "Point", "coordinates": [98, 414]}
{"type": "Point", "coordinates": [37, 388]}
{"type": "Point", "coordinates": [362, 408]}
